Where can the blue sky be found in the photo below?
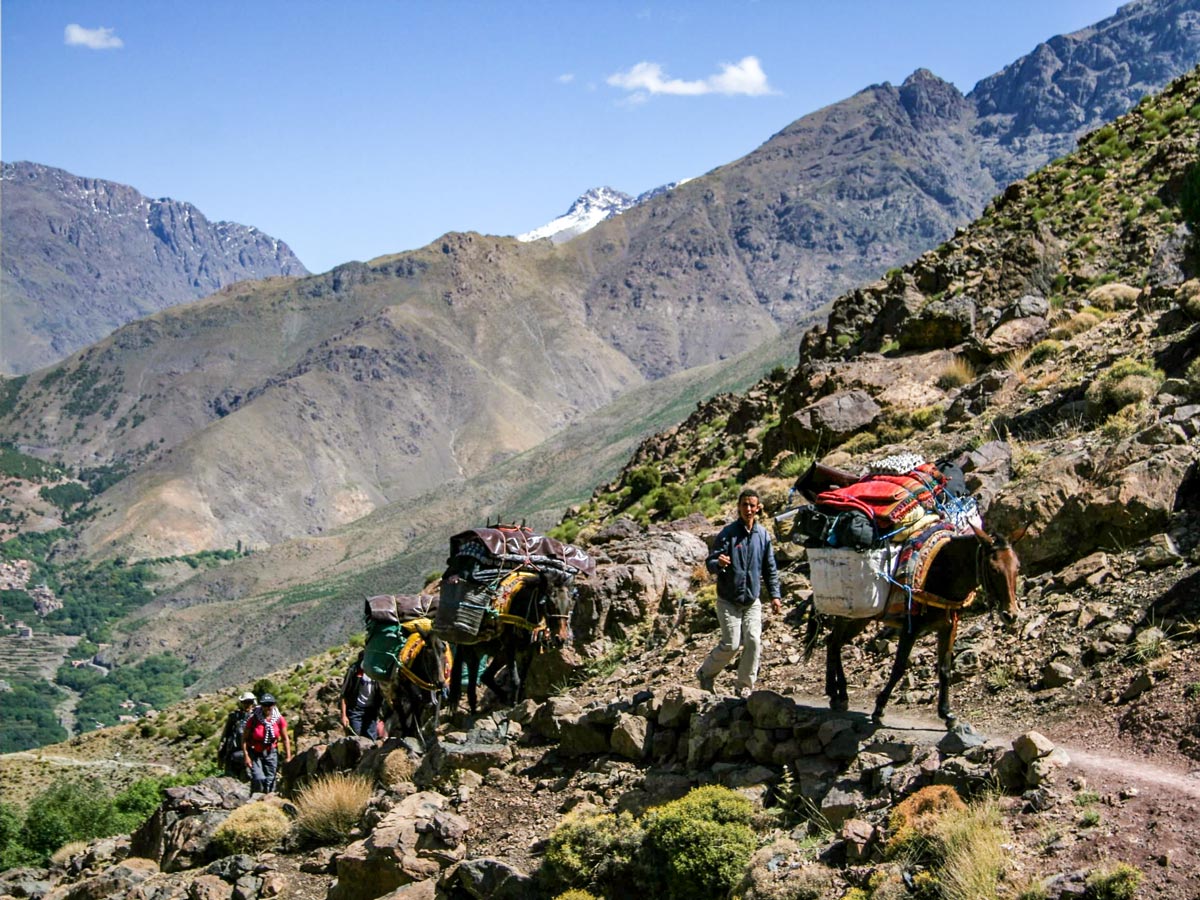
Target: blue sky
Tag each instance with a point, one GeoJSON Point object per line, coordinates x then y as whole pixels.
{"type": "Point", "coordinates": [355, 129]}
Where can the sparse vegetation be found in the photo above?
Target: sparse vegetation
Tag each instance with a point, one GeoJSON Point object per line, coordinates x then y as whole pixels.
{"type": "Point", "coordinates": [331, 806]}
{"type": "Point", "coordinates": [696, 846]}
{"type": "Point", "coordinates": [1120, 882]}
{"type": "Point", "coordinates": [252, 828]}
{"type": "Point", "coordinates": [960, 372]}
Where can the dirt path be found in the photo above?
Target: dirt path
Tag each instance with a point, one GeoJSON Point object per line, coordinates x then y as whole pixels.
{"type": "Point", "coordinates": [70, 761]}
{"type": "Point", "coordinates": [1092, 764]}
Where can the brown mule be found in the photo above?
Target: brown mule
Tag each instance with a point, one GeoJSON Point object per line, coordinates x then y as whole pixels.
{"type": "Point", "coordinates": [962, 567]}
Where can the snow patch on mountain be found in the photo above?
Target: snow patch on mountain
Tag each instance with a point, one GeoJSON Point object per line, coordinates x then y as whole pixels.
{"type": "Point", "coordinates": [592, 208]}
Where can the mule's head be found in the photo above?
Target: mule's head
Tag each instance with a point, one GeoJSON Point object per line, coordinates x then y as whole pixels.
{"type": "Point", "coordinates": [432, 663]}
{"type": "Point", "coordinates": [999, 568]}
{"type": "Point", "coordinates": [559, 601]}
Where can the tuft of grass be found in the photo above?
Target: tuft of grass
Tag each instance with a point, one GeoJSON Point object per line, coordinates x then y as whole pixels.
{"type": "Point", "coordinates": [973, 854]}
{"type": "Point", "coordinates": [1044, 351]}
{"type": "Point", "coordinates": [251, 829]}
{"type": "Point", "coordinates": [956, 374]}
{"type": "Point", "coordinates": [60, 857]}
{"type": "Point", "coordinates": [1119, 882]}
{"type": "Point", "coordinates": [1089, 818]}
{"type": "Point", "coordinates": [398, 767]}
{"type": "Point", "coordinates": [331, 806]}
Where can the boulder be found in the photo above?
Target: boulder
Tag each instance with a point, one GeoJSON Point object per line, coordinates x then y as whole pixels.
{"type": "Point", "coordinates": [487, 879]}
{"type": "Point", "coordinates": [1032, 745]}
{"type": "Point", "coordinates": [209, 887]}
{"type": "Point", "coordinates": [408, 845]}
{"type": "Point", "coordinates": [631, 737]}
{"type": "Point", "coordinates": [832, 419]}
{"type": "Point", "coordinates": [941, 323]}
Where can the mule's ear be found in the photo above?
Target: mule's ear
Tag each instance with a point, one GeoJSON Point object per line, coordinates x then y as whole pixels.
{"type": "Point", "coordinates": [1018, 534]}
{"type": "Point", "coordinates": [984, 537]}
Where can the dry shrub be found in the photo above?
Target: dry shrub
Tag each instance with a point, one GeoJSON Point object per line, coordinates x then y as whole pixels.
{"type": "Point", "coordinates": [912, 821]}
{"type": "Point", "coordinates": [60, 857]}
{"type": "Point", "coordinates": [331, 806]}
{"type": "Point", "coordinates": [1016, 362]}
{"type": "Point", "coordinates": [576, 894]}
{"type": "Point", "coordinates": [1125, 382]}
{"type": "Point", "coordinates": [1113, 296]}
{"type": "Point", "coordinates": [1082, 321]}
{"type": "Point", "coordinates": [1043, 351]}
{"type": "Point", "coordinates": [397, 768]}
{"type": "Point", "coordinates": [251, 829]}
{"type": "Point", "coordinates": [956, 374]}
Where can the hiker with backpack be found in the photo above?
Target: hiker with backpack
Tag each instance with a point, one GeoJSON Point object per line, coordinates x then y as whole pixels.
{"type": "Point", "coordinates": [741, 558]}
{"type": "Point", "coordinates": [362, 703]}
{"type": "Point", "coordinates": [229, 750]}
{"type": "Point", "coordinates": [265, 728]}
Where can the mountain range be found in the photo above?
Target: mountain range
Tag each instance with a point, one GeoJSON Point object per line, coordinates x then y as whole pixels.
{"type": "Point", "coordinates": [288, 408]}
{"type": "Point", "coordinates": [83, 256]}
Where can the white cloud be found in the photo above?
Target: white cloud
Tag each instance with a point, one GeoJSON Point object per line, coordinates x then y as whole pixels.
{"type": "Point", "coordinates": [95, 38]}
{"type": "Point", "coordinates": [742, 78]}
{"type": "Point", "coordinates": [566, 78]}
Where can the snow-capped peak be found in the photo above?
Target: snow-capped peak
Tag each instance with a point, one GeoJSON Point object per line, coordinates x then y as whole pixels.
{"type": "Point", "coordinates": [592, 208]}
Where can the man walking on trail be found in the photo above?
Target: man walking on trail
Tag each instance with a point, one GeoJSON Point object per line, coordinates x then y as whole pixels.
{"type": "Point", "coordinates": [229, 751]}
{"type": "Point", "coordinates": [361, 703]}
{"type": "Point", "coordinates": [741, 558]}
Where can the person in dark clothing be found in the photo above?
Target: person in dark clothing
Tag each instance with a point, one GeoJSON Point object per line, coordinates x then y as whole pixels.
{"type": "Point", "coordinates": [362, 702]}
{"type": "Point", "coordinates": [265, 728]}
{"type": "Point", "coordinates": [229, 750]}
{"type": "Point", "coordinates": [741, 558]}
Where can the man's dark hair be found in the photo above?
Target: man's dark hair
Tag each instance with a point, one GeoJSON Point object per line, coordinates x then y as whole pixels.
{"type": "Point", "coordinates": [748, 492]}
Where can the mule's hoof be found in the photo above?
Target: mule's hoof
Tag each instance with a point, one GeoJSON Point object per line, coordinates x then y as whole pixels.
{"type": "Point", "coordinates": [877, 717]}
{"type": "Point", "coordinates": [839, 704]}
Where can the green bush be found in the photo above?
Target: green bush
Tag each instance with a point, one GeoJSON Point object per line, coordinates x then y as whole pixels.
{"type": "Point", "coordinates": [67, 812]}
{"type": "Point", "coordinates": [1118, 883]}
{"type": "Point", "coordinates": [642, 481]}
{"type": "Point", "coordinates": [697, 846]}
{"type": "Point", "coordinates": [593, 850]}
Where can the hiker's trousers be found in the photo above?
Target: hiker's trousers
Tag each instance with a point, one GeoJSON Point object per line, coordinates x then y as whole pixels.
{"type": "Point", "coordinates": [741, 629]}
{"type": "Point", "coordinates": [263, 770]}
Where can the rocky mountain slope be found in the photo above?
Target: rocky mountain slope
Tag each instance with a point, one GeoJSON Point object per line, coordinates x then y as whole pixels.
{"type": "Point", "coordinates": [276, 410]}
{"type": "Point", "coordinates": [83, 256]}
{"type": "Point", "coordinates": [1053, 349]}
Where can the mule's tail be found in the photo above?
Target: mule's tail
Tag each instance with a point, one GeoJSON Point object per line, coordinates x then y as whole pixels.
{"type": "Point", "coordinates": [812, 630]}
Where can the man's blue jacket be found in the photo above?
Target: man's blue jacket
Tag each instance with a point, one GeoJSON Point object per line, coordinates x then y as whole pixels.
{"type": "Point", "coordinates": [751, 559]}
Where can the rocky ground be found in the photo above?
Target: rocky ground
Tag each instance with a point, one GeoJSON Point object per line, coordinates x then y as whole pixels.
{"type": "Point", "coordinates": [1105, 664]}
{"type": "Point", "coordinates": [1140, 757]}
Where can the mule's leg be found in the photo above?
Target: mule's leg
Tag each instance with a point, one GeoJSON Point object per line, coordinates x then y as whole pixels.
{"type": "Point", "coordinates": [835, 675]}
{"type": "Point", "coordinates": [908, 637]}
{"type": "Point", "coordinates": [945, 666]}
{"type": "Point", "coordinates": [456, 673]}
{"type": "Point", "coordinates": [473, 659]}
